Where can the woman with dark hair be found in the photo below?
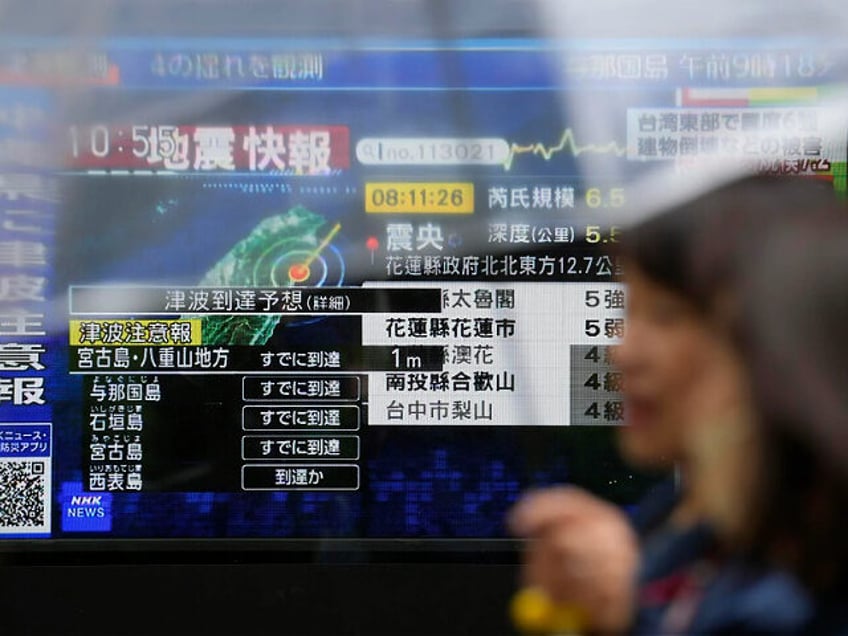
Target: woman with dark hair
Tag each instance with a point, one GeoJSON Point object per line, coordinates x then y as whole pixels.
{"type": "Point", "coordinates": [788, 503]}
{"type": "Point", "coordinates": [667, 573]}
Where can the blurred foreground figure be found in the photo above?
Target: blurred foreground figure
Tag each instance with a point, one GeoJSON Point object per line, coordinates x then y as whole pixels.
{"type": "Point", "coordinates": [781, 491]}
{"type": "Point", "coordinates": [667, 572]}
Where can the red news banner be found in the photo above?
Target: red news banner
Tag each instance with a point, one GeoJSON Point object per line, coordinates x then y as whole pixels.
{"type": "Point", "coordinates": [289, 149]}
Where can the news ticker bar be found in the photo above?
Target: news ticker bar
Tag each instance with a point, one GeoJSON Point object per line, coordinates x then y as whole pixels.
{"type": "Point", "coordinates": [321, 65]}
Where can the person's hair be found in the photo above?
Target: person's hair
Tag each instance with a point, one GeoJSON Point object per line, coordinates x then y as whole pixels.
{"type": "Point", "coordinates": [697, 249]}
{"type": "Point", "coordinates": [777, 248]}
{"type": "Point", "coordinates": [791, 328]}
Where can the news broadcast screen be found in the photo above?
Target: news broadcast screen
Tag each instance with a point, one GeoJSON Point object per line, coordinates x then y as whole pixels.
{"type": "Point", "coordinates": [323, 288]}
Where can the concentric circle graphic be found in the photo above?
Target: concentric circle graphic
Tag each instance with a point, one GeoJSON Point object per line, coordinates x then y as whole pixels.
{"type": "Point", "coordinates": [294, 262]}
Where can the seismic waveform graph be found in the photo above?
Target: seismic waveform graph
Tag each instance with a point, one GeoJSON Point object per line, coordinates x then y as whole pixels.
{"type": "Point", "coordinates": [566, 143]}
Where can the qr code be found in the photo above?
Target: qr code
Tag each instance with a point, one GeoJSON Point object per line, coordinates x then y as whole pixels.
{"type": "Point", "coordinates": [24, 496]}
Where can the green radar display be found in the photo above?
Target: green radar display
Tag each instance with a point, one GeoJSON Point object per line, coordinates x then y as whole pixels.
{"type": "Point", "coordinates": [284, 250]}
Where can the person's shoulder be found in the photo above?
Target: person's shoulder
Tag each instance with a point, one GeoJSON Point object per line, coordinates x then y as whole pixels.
{"type": "Point", "coordinates": [667, 548]}
{"type": "Point", "coordinates": [746, 599]}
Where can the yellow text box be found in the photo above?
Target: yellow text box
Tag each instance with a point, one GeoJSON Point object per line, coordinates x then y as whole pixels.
{"type": "Point", "coordinates": [410, 197]}
{"type": "Point", "coordinates": [129, 333]}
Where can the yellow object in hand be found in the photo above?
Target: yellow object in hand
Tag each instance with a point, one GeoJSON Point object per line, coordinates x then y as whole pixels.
{"type": "Point", "coordinates": [534, 612]}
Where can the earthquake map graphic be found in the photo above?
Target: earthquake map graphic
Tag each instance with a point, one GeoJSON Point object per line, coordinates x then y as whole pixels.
{"type": "Point", "coordinates": [285, 250]}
